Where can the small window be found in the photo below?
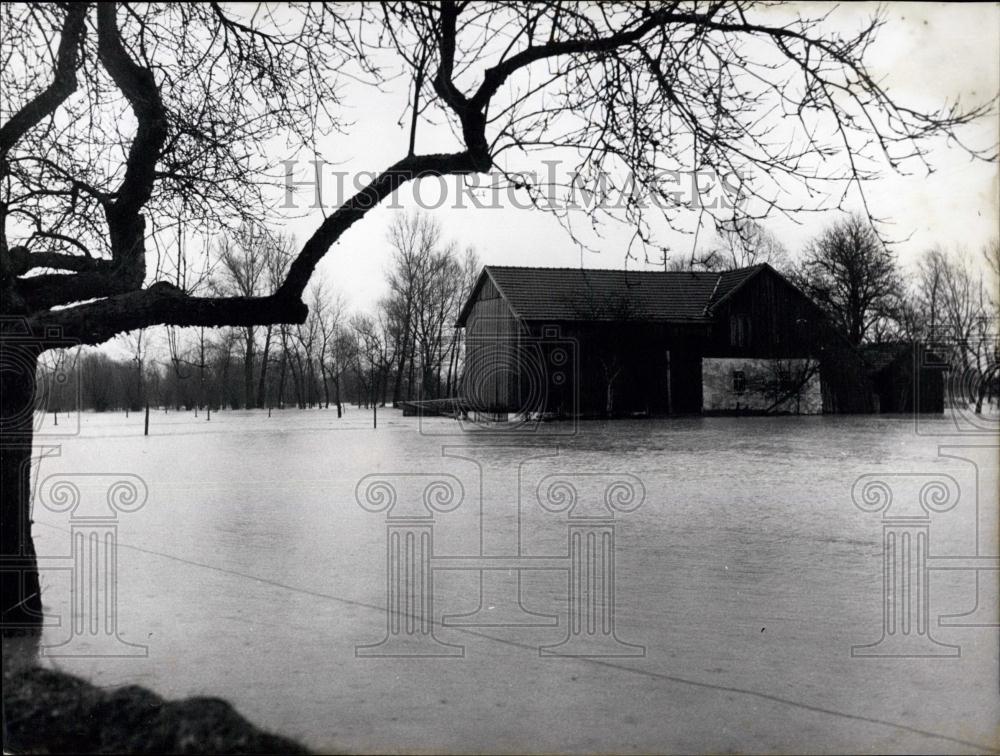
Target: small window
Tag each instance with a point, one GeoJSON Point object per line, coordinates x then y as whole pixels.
{"type": "Point", "coordinates": [739, 330]}
{"type": "Point", "coordinates": [786, 382]}
{"type": "Point", "coordinates": [739, 382]}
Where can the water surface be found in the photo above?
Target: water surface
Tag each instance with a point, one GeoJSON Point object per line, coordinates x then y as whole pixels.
{"type": "Point", "coordinates": [252, 573]}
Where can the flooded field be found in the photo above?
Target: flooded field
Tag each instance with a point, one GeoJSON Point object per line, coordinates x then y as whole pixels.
{"type": "Point", "coordinates": [742, 571]}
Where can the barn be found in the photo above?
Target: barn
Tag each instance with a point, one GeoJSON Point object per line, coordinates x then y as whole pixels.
{"type": "Point", "coordinates": [905, 377]}
{"type": "Point", "coordinates": [587, 342]}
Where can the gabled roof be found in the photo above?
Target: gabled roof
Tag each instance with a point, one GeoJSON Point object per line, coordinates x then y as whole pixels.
{"type": "Point", "coordinates": [611, 295]}
{"type": "Point", "coordinates": [732, 281]}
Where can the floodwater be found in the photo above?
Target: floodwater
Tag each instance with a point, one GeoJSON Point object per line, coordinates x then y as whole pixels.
{"type": "Point", "coordinates": [742, 580]}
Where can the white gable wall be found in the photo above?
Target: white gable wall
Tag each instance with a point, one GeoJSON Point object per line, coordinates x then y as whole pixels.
{"type": "Point", "coordinates": [775, 386]}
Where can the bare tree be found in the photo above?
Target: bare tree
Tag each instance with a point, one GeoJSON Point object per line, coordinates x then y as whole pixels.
{"type": "Point", "coordinates": [426, 290]}
{"type": "Point", "coordinates": [965, 313]}
{"type": "Point", "coordinates": [125, 119]}
{"type": "Point", "coordinates": [852, 275]}
{"type": "Point", "coordinates": [415, 239]}
{"type": "Point", "coordinates": [468, 276]}
{"type": "Point", "coordinates": [139, 346]}
{"type": "Point", "coordinates": [373, 358]}
{"type": "Point", "coordinates": [438, 288]}
{"type": "Point", "coordinates": [991, 254]}
{"type": "Point", "coordinates": [314, 336]}
{"type": "Point", "coordinates": [961, 303]}
{"type": "Point", "coordinates": [957, 311]}
{"type": "Point", "coordinates": [244, 260]}
{"type": "Point", "coordinates": [334, 353]}
{"type": "Point", "coordinates": [746, 242]}
{"type": "Point", "coordinates": [787, 380]}
{"type": "Point", "coordinates": [740, 243]}
{"type": "Point", "coordinates": [280, 253]}
{"type": "Point", "coordinates": [932, 270]}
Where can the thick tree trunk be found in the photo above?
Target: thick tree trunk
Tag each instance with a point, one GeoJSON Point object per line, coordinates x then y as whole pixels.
{"type": "Point", "coordinates": [398, 385]}
{"type": "Point", "coordinates": [299, 373]}
{"type": "Point", "coordinates": [202, 401]}
{"type": "Point", "coordinates": [281, 380]}
{"type": "Point", "coordinates": [452, 363]}
{"type": "Point", "coordinates": [249, 355]}
{"type": "Point", "coordinates": [326, 387]}
{"type": "Point", "coordinates": [20, 594]}
{"type": "Point", "coordinates": [262, 382]}
{"type": "Point", "coordinates": [312, 385]}
{"type": "Point", "coordinates": [409, 381]}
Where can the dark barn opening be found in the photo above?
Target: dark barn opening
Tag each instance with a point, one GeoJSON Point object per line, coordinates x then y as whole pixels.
{"type": "Point", "coordinates": [905, 377]}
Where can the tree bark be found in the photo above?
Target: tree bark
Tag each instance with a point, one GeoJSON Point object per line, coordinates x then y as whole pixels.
{"type": "Point", "coordinates": [262, 382]}
{"type": "Point", "coordinates": [281, 380]}
{"type": "Point", "coordinates": [249, 355]}
{"type": "Point", "coordinates": [20, 594]}
{"type": "Point", "coordinates": [326, 386]}
{"type": "Point", "coordinates": [400, 367]}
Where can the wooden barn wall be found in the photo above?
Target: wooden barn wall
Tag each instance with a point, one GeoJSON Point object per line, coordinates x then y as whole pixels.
{"type": "Point", "coordinates": [489, 382]}
{"type": "Point", "coordinates": [844, 379]}
{"type": "Point", "coordinates": [784, 323]}
{"type": "Point", "coordinates": [900, 389]}
{"type": "Point", "coordinates": [781, 320]}
{"type": "Point", "coordinates": [633, 357]}
{"type": "Point", "coordinates": [930, 384]}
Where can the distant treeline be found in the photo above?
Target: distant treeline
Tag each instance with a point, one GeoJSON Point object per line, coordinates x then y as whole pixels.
{"type": "Point", "coordinates": [407, 347]}
{"type": "Point", "coordinates": [96, 381]}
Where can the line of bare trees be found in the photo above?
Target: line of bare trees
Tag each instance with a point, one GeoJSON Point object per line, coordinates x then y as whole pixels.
{"type": "Point", "coordinates": [428, 284]}
{"type": "Point", "coordinates": [954, 306]}
{"type": "Point", "coordinates": [407, 348]}
{"type": "Point", "coordinates": [948, 293]}
{"type": "Point", "coordinates": [948, 299]}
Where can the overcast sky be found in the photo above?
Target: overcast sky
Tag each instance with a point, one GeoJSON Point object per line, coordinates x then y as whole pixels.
{"type": "Point", "coordinates": [927, 52]}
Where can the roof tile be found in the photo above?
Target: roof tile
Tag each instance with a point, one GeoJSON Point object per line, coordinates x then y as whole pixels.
{"type": "Point", "coordinates": [593, 294]}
